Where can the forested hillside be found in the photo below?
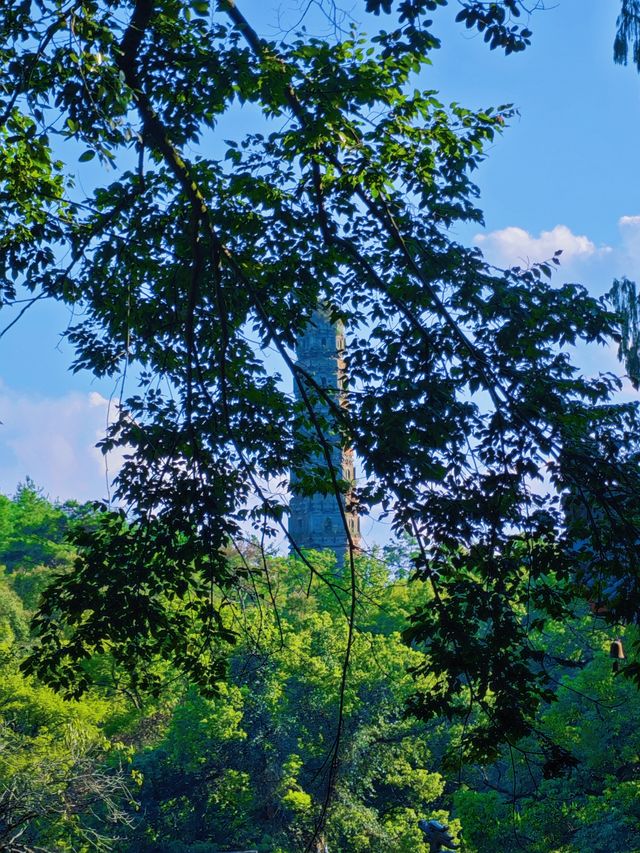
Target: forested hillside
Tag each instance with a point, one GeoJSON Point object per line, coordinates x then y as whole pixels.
{"type": "Point", "coordinates": [121, 769]}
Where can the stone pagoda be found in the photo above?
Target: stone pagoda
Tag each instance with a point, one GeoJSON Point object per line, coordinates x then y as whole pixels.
{"type": "Point", "coordinates": [315, 521]}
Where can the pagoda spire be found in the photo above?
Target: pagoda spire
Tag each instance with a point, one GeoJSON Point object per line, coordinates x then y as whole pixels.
{"type": "Point", "coordinates": [316, 521]}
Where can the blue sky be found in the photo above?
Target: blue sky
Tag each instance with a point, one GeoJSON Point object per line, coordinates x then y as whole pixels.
{"type": "Point", "coordinates": [564, 175]}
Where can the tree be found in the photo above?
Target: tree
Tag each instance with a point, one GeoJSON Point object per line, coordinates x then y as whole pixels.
{"type": "Point", "coordinates": [628, 34]}
{"type": "Point", "coordinates": [189, 267]}
{"type": "Point", "coordinates": [32, 529]}
{"type": "Point", "coordinates": [63, 784]}
{"type": "Point", "coordinates": [245, 768]}
{"type": "Point", "coordinates": [594, 804]}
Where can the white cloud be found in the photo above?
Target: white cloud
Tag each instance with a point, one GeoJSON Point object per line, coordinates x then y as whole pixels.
{"type": "Point", "coordinates": [52, 440]}
{"type": "Point", "coordinates": [96, 399]}
{"type": "Point", "coordinates": [629, 259]}
{"type": "Point", "coordinates": [514, 246]}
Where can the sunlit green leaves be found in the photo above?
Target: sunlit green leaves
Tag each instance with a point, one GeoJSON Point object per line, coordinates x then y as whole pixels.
{"type": "Point", "coordinates": [195, 276]}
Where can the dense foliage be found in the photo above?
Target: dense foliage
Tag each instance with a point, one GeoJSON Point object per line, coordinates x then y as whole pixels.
{"type": "Point", "coordinates": [188, 267]}
{"type": "Point", "coordinates": [64, 785]}
{"type": "Point", "coordinates": [186, 773]}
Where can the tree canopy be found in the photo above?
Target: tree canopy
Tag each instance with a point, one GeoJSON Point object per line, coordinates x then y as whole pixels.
{"type": "Point", "coordinates": [120, 770]}
{"type": "Point", "coordinates": [513, 473]}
